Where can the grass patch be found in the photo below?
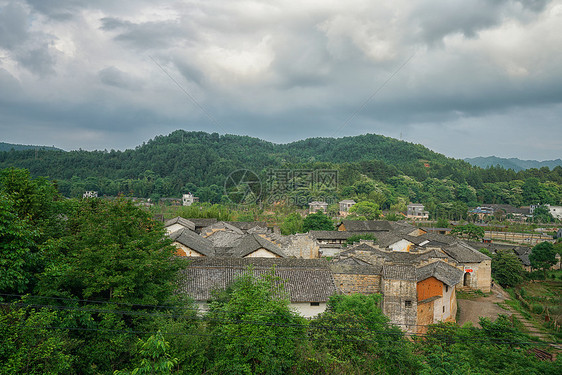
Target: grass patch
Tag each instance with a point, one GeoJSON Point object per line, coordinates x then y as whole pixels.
{"type": "Point", "coordinates": [472, 294]}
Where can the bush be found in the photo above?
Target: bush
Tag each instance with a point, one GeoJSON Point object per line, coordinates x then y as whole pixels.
{"type": "Point", "coordinates": [537, 308]}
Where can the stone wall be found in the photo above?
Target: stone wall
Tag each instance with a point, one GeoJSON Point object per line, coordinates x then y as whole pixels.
{"type": "Point", "coordinates": [400, 303]}
{"type": "Point", "coordinates": [301, 246]}
{"type": "Point", "coordinates": [364, 284]}
{"type": "Point", "coordinates": [481, 275]}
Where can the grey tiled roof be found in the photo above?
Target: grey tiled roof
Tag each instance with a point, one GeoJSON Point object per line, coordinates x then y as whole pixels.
{"type": "Point", "coordinates": [461, 252]}
{"type": "Point", "coordinates": [202, 223]}
{"type": "Point", "coordinates": [194, 241]}
{"type": "Point", "coordinates": [247, 225]}
{"type": "Point", "coordinates": [220, 226]}
{"type": "Point", "coordinates": [354, 266]}
{"type": "Point", "coordinates": [306, 280]}
{"type": "Point", "coordinates": [181, 221]}
{"type": "Point", "coordinates": [441, 271]}
{"type": "Point", "coordinates": [225, 238]}
{"type": "Point", "coordinates": [402, 257]}
{"type": "Point", "coordinates": [330, 234]}
{"type": "Point", "coordinates": [253, 242]}
{"type": "Point", "coordinates": [367, 225]}
{"type": "Point", "coordinates": [399, 272]}
{"type": "Point", "coordinates": [402, 227]}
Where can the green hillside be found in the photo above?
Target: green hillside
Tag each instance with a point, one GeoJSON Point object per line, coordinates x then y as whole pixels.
{"type": "Point", "coordinates": [381, 169]}
{"type": "Point", "coordinates": [16, 147]}
{"type": "Point", "coordinates": [512, 163]}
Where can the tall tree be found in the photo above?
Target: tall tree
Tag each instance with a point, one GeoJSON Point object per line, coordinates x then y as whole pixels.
{"type": "Point", "coordinates": [317, 221]}
{"type": "Point", "coordinates": [507, 269]}
{"type": "Point", "coordinates": [543, 256]}
{"type": "Point", "coordinates": [254, 330]}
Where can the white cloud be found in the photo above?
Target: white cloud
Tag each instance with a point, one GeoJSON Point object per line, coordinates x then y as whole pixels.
{"type": "Point", "coordinates": [284, 70]}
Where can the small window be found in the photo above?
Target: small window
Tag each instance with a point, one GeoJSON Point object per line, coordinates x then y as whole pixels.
{"type": "Point", "coordinates": [446, 288]}
{"type": "Point", "coordinates": [408, 303]}
{"type": "Point", "coordinates": [314, 303]}
{"type": "Point", "coordinates": [443, 308]}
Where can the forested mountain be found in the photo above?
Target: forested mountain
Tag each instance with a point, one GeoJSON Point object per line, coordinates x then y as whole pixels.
{"type": "Point", "coordinates": [11, 146]}
{"type": "Point", "coordinates": [512, 163]}
{"type": "Point", "coordinates": [384, 170]}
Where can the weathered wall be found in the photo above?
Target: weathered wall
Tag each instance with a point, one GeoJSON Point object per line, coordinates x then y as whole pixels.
{"type": "Point", "coordinates": [364, 284]}
{"type": "Point", "coordinates": [301, 246]}
{"type": "Point", "coordinates": [481, 275]}
{"type": "Point", "coordinates": [262, 253]}
{"type": "Point", "coordinates": [306, 310]}
{"type": "Point", "coordinates": [425, 313]}
{"type": "Point", "coordinates": [174, 227]}
{"type": "Point", "coordinates": [430, 287]}
{"type": "Point", "coordinates": [396, 296]}
{"type": "Point", "coordinates": [185, 251]}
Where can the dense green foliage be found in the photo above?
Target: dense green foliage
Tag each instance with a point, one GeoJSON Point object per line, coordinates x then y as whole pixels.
{"type": "Point", "coordinates": [358, 237]}
{"type": "Point", "coordinates": [292, 224]}
{"type": "Point", "coordinates": [365, 210]}
{"type": "Point", "coordinates": [317, 221]}
{"type": "Point", "coordinates": [492, 350]}
{"type": "Point", "coordinates": [469, 231]}
{"type": "Point", "coordinates": [507, 269]}
{"type": "Point", "coordinates": [97, 297]}
{"type": "Point", "coordinates": [543, 256]}
{"type": "Point", "coordinates": [382, 170]}
{"type": "Point", "coordinates": [512, 163]}
{"type": "Point", "coordinates": [254, 331]}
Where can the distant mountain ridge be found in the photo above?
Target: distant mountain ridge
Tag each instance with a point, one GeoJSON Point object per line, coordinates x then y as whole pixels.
{"type": "Point", "coordinates": [16, 147]}
{"type": "Point", "coordinates": [512, 163]}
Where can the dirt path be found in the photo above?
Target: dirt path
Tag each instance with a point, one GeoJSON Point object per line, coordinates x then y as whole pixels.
{"type": "Point", "coordinates": [472, 310]}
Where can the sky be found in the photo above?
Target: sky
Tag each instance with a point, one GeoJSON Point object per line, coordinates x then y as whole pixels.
{"type": "Point", "coordinates": [464, 78]}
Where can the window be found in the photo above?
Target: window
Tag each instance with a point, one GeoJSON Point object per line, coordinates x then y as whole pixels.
{"type": "Point", "coordinates": [446, 288]}
{"type": "Point", "coordinates": [314, 303]}
{"type": "Point", "coordinates": [443, 308]}
{"type": "Point", "coordinates": [408, 303]}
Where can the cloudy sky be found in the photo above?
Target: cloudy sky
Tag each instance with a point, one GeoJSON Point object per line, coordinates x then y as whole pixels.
{"type": "Point", "coordinates": [462, 77]}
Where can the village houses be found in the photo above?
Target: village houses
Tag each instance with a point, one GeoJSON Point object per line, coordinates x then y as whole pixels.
{"type": "Point", "coordinates": [414, 271]}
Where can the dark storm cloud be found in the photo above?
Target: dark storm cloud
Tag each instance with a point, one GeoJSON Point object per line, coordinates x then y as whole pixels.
{"type": "Point", "coordinates": [114, 77]}
{"type": "Point", "coordinates": [145, 35]}
{"type": "Point", "coordinates": [282, 70]}
{"type": "Point", "coordinates": [38, 60]}
{"type": "Point", "coordinates": [13, 26]}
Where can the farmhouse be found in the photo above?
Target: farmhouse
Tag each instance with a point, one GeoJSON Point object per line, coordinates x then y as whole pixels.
{"type": "Point", "coordinates": [309, 283]}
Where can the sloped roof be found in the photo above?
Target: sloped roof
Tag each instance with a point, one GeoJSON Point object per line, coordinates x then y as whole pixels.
{"type": "Point", "coordinates": [330, 234]}
{"type": "Point", "coordinates": [399, 272]}
{"type": "Point", "coordinates": [218, 226]}
{"type": "Point", "coordinates": [366, 225]}
{"type": "Point", "coordinates": [194, 241]}
{"type": "Point", "coordinates": [402, 227]}
{"type": "Point", "coordinates": [181, 221]}
{"type": "Point", "coordinates": [225, 238]}
{"type": "Point", "coordinates": [441, 271]}
{"type": "Point", "coordinates": [354, 266]}
{"type": "Point", "coordinates": [247, 225]}
{"type": "Point", "coordinates": [253, 242]}
{"type": "Point", "coordinates": [305, 280]}
{"type": "Point", "coordinates": [201, 223]}
{"type": "Point", "coordinates": [461, 252]}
